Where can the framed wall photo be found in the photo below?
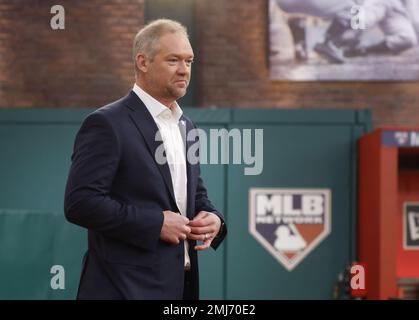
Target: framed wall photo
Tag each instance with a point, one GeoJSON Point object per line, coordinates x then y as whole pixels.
{"type": "Point", "coordinates": [344, 40]}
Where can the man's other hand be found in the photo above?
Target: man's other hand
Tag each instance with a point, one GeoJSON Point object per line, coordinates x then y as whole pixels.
{"type": "Point", "coordinates": [205, 227]}
{"type": "Point", "coordinates": [175, 227]}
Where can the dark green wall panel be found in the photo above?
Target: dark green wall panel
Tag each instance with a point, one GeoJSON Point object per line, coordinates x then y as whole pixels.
{"type": "Point", "coordinates": [31, 242]}
{"type": "Point", "coordinates": [299, 156]}
{"type": "Point", "coordinates": [302, 149]}
{"type": "Point", "coordinates": [211, 263]}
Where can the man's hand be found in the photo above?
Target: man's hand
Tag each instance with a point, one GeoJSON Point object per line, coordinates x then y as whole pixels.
{"type": "Point", "coordinates": [175, 227]}
{"type": "Point", "coordinates": [205, 226]}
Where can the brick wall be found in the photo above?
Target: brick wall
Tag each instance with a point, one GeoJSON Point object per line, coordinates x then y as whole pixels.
{"type": "Point", "coordinates": [89, 63]}
{"type": "Point", "coordinates": [86, 65]}
{"type": "Point", "coordinates": [234, 71]}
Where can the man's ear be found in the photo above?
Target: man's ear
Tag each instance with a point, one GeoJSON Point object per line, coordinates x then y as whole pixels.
{"type": "Point", "coordinates": [142, 62]}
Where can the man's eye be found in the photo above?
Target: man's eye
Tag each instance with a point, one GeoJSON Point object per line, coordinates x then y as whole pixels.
{"type": "Point", "coordinates": [172, 60]}
{"type": "Point", "coordinates": [189, 62]}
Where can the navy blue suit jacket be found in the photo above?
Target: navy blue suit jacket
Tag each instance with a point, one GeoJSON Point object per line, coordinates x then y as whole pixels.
{"type": "Point", "coordinates": [118, 191]}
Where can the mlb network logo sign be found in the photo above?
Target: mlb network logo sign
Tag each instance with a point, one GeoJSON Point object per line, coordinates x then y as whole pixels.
{"type": "Point", "coordinates": [289, 223]}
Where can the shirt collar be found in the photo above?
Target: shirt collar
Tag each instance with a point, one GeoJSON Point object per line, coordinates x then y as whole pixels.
{"type": "Point", "coordinates": [155, 107]}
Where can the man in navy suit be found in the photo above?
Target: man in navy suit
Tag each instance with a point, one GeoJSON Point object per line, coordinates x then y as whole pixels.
{"type": "Point", "coordinates": [144, 216]}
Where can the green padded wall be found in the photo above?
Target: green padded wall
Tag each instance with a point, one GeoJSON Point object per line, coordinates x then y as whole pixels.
{"type": "Point", "coordinates": [302, 149]}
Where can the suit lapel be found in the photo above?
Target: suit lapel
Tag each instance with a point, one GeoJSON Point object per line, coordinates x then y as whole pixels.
{"type": "Point", "coordinates": [148, 128]}
{"type": "Point", "coordinates": [185, 127]}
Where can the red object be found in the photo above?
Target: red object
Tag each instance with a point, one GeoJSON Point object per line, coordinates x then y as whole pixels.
{"type": "Point", "coordinates": [384, 185]}
{"type": "Point", "coordinates": [407, 259]}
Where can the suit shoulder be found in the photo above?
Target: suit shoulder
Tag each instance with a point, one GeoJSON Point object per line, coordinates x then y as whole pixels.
{"type": "Point", "coordinates": [110, 112]}
{"type": "Point", "coordinates": [113, 108]}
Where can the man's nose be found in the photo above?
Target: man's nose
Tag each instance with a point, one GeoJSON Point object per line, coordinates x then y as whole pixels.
{"type": "Point", "coordinates": [183, 68]}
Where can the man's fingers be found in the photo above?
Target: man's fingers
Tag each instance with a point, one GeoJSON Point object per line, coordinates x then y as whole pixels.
{"type": "Point", "coordinates": [200, 219]}
{"type": "Point", "coordinates": [184, 233]}
{"type": "Point", "coordinates": [203, 246]}
{"type": "Point", "coordinates": [202, 230]}
{"type": "Point", "coordinates": [198, 223]}
{"type": "Point", "coordinates": [175, 227]}
{"type": "Point", "coordinates": [193, 236]}
{"type": "Point", "coordinates": [201, 237]}
{"type": "Point", "coordinates": [201, 215]}
{"type": "Point", "coordinates": [206, 219]}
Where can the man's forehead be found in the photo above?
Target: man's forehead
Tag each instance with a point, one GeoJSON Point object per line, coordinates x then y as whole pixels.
{"type": "Point", "coordinates": [176, 38]}
{"type": "Point", "coordinates": [188, 54]}
{"type": "Point", "coordinates": [175, 44]}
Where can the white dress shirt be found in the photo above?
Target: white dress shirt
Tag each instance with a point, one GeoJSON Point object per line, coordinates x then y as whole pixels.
{"type": "Point", "coordinates": [167, 121]}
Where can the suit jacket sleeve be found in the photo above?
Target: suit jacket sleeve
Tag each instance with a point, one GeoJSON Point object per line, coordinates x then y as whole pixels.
{"type": "Point", "coordinates": [88, 200]}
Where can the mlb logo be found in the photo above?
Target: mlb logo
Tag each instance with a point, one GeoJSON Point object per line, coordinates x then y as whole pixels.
{"type": "Point", "coordinates": [289, 223]}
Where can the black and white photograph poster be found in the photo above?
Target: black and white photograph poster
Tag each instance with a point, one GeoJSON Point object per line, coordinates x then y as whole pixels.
{"type": "Point", "coordinates": [346, 40]}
